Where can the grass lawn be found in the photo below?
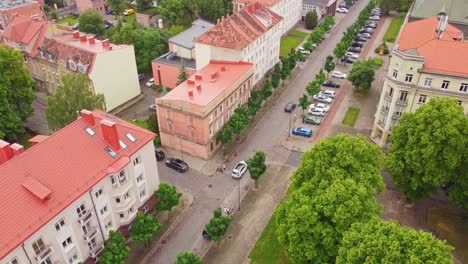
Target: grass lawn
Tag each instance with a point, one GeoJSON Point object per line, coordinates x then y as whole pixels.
{"type": "Point", "coordinates": [297, 33]}
{"type": "Point", "coordinates": [140, 123]}
{"type": "Point", "coordinates": [351, 116]}
{"type": "Point", "coordinates": [393, 29]}
{"type": "Point", "coordinates": [70, 20]}
{"type": "Point", "coordinates": [288, 43]}
{"type": "Point", "coordinates": [267, 249]}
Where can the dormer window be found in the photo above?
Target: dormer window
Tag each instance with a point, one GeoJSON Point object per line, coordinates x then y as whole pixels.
{"type": "Point", "coordinates": [72, 65]}
{"type": "Point", "coordinates": [42, 54]}
{"type": "Point", "coordinates": [51, 57]}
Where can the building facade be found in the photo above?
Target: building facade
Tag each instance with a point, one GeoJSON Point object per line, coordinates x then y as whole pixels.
{"type": "Point", "coordinates": [322, 7]}
{"type": "Point", "coordinates": [26, 8]}
{"type": "Point", "coordinates": [191, 115]}
{"type": "Point", "coordinates": [64, 194]}
{"type": "Point", "coordinates": [98, 5]}
{"type": "Point", "coordinates": [429, 61]}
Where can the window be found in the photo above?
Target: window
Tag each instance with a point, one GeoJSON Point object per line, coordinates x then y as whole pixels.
{"type": "Point", "coordinates": [103, 210]}
{"type": "Point", "coordinates": [122, 215]}
{"type": "Point", "coordinates": [408, 78]}
{"type": "Point", "coordinates": [459, 102]}
{"type": "Point", "coordinates": [216, 113]}
{"type": "Point", "coordinates": [122, 144]}
{"type": "Point", "coordinates": [98, 193]}
{"type": "Point", "coordinates": [111, 152]}
{"type": "Point", "coordinates": [130, 137]}
{"type": "Point", "coordinates": [87, 228]}
{"type": "Point", "coordinates": [427, 82]}
{"type": "Point", "coordinates": [122, 176]}
{"type": "Point", "coordinates": [139, 178]}
{"type": "Point", "coordinates": [403, 96]}
{"type": "Point", "coordinates": [67, 242]}
{"type": "Point", "coordinates": [211, 131]}
{"type": "Point", "coordinates": [126, 195]}
{"type": "Point", "coordinates": [38, 246]}
{"type": "Point", "coordinates": [130, 210]}
{"type": "Point", "coordinates": [395, 74]}
{"type": "Point", "coordinates": [390, 92]}
{"type": "Point", "coordinates": [142, 193]}
{"type": "Point", "coordinates": [113, 180]}
{"type": "Point", "coordinates": [398, 111]}
{"type": "Point", "coordinates": [108, 225]}
{"type": "Point", "coordinates": [422, 99]}
{"type": "Point", "coordinates": [90, 131]}
{"type": "Point", "coordinates": [136, 161]}
{"type": "Point", "coordinates": [169, 125]}
{"type": "Point", "coordinates": [13, 261]}
{"type": "Point", "coordinates": [72, 259]}
{"type": "Point", "coordinates": [463, 88]}
{"type": "Point", "coordinates": [47, 260]}
{"type": "Point", "coordinates": [92, 243]}
{"type": "Point", "coordinates": [60, 224]}
{"type": "Point", "coordinates": [445, 84]}
{"type": "Point", "coordinates": [145, 209]}
{"type": "Point", "coordinates": [81, 210]}
{"type": "Point", "coordinates": [72, 65]}
{"type": "Point", "coordinates": [221, 108]}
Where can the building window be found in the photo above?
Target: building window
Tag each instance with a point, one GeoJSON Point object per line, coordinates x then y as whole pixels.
{"type": "Point", "coordinates": [210, 118]}
{"type": "Point", "coordinates": [38, 246]}
{"type": "Point", "coordinates": [60, 224]}
{"type": "Point", "coordinates": [108, 225]}
{"type": "Point", "coordinates": [117, 200]}
{"type": "Point", "coordinates": [211, 131]}
{"type": "Point", "coordinates": [395, 74]}
{"type": "Point", "coordinates": [13, 261]}
{"type": "Point", "coordinates": [72, 259]}
{"type": "Point", "coordinates": [459, 102]}
{"type": "Point", "coordinates": [463, 87]}
{"type": "Point", "coordinates": [98, 193]}
{"type": "Point", "coordinates": [136, 161]}
{"type": "Point", "coordinates": [427, 82]}
{"type": "Point", "coordinates": [122, 177]}
{"type": "Point", "coordinates": [67, 242]}
{"type": "Point", "coordinates": [221, 108]}
{"type": "Point", "coordinates": [122, 215]}
{"type": "Point", "coordinates": [142, 194]}
{"type": "Point", "coordinates": [103, 210]}
{"type": "Point", "coordinates": [398, 110]}
{"type": "Point", "coordinates": [422, 99]}
{"type": "Point", "coordinates": [145, 209]}
{"type": "Point", "coordinates": [403, 96]}
{"type": "Point", "coordinates": [445, 84]}
{"type": "Point", "coordinates": [81, 210]}
{"type": "Point", "coordinates": [390, 92]}
{"type": "Point", "coordinates": [408, 78]}
{"type": "Point", "coordinates": [139, 178]}
{"type": "Point", "coordinates": [216, 113]}
{"type": "Point", "coordinates": [130, 210]}
{"type": "Point", "coordinates": [113, 180]}
{"type": "Point", "coordinates": [92, 243]}
{"type": "Point", "coordinates": [169, 125]}
{"type": "Point", "coordinates": [126, 195]}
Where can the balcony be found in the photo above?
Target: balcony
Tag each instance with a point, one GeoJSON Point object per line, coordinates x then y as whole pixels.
{"type": "Point", "coordinates": [387, 97]}
{"type": "Point", "coordinates": [44, 253]}
{"type": "Point", "coordinates": [396, 117]}
{"type": "Point", "coordinates": [90, 234]}
{"type": "Point", "coordinates": [385, 109]}
{"type": "Point", "coordinates": [401, 103]}
{"type": "Point", "coordinates": [85, 217]}
{"type": "Point", "coordinates": [96, 250]}
{"type": "Point", "coordinates": [125, 204]}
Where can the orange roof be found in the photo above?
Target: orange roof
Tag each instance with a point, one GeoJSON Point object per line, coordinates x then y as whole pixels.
{"type": "Point", "coordinates": [268, 3]}
{"type": "Point", "coordinates": [22, 29]}
{"type": "Point", "coordinates": [240, 29]}
{"type": "Point", "coordinates": [445, 55]}
{"type": "Point", "coordinates": [214, 81]}
{"type": "Point", "coordinates": [39, 183]}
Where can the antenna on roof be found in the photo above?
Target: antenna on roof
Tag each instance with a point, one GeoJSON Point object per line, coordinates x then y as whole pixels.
{"type": "Point", "coordinates": [443, 21]}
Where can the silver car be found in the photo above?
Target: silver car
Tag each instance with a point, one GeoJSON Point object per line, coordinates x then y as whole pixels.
{"type": "Point", "coordinates": [323, 99]}
{"type": "Point", "coordinates": [239, 170]}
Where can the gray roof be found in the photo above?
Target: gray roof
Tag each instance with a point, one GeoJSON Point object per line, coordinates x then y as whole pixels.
{"type": "Point", "coordinates": [457, 10]}
{"type": "Point", "coordinates": [185, 38]}
{"type": "Point", "coordinates": [7, 4]}
{"type": "Point", "coordinates": [322, 3]}
{"type": "Point", "coordinates": [170, 58]}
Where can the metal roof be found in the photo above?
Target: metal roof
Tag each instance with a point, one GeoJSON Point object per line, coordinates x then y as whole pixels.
{"type": "Point", "coordinates": [185, 38]}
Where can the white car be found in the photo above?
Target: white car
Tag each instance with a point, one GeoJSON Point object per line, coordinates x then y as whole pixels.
{"type": "Point", "coordinates": [352, 55]}
{"type": "Point", "coordinates": [320, 106]}
{"type": "Point", "coordinates": [374, 18]}
{"type": "Point", "coordinates": [316, 112]}
{"type": "Point", "coordinates": [339, 75]}
{"type": "Point", "coordinates": [150, 82]}
{"type": "Point", "coordinates": [314, 45]}
{"type": "Point", "coordinates": [328, 93]}
{"type": "Point", "coordinates": [342, 10]}
{"type": "Point", "coordinates": [323, 99]}
{"type": "Point", "coordinates": [153, 108]}
{"type": "Point", "coordinates": [239, 170]}
{"type": "Point", "coordinates": [303, 51]}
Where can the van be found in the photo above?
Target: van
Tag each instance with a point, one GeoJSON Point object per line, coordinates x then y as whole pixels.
{"type": "Point", "coordinates": [329, 93]}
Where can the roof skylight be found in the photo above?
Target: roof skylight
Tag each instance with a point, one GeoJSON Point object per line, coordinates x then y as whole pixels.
{"type": "Point", "coordinates": [122, 144]}
{"type": "Point", "coordinates": [90, 131]}
{"type": "Point", "coordinates": [111, 152]}
{"type": "Point", "coordinates": [130, 137]}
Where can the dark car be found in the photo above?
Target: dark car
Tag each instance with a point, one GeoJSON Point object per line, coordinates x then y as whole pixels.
{"type": "Point", "coordinates": [141, 76]}
{"type": "Point", "coordinates": [355, 49]}
{"type": "Point", "coordinates": [360, 39]}
{"type": "Point", "coordinates": [159, 154]}
{"type": "Point", "coordinates": [177, 164]}
{"type": "Point", "coordinates": [357, 44]}
{"type": "Point", "coordinates": [76, 26]}
{"type": "Point", "coordinates": [331, 84]}
{"type": "Point", "coordinates": [110, 11]}
{"type": "Point", "coordinates": [205, 234]}
{"type": "Point", "coordinates": [290, 107]}
{"type": "Point", "coordinates": [347, 60]}
{"type": "Point", "coordinates": [367, 30]}
{"type": "Point", "coordinates": [363, 35]}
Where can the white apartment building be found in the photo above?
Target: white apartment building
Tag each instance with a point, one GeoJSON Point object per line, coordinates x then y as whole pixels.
{"type": "Point", "coordinates": [62, 196]}
{"type": "Point", "coordinates": [250, 35]}
{"type": "Point", "coordinates": [429, 61]}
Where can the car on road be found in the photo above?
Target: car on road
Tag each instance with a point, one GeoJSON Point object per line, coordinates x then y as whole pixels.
{"type": "Point", "coordinates": [339, 75]}
{"type": "Point", "coordinates": [76, 26]}
{"type": "Point", "coordinates": [345, 5]}
{"type": "Point", "coordinates": [302, 131]}
{"type": "Point", "coordinates": [328, 93]}
{"type": "Point", "coordinates": [141, 76]}
{"type": "Point", "coordinates": [153, 108]}
{"type": "Point", "coordinates": [290, 107]}
{"type": "Point", "coordinates": [330, 83]}
{"type": "Point", "coordinates": [355, 49]}
{"type": "Point", "coordinates": [303, 51]}
{"type": "Point", "coordinates": [128, 12]}
{"type": "Point", "coordinates": [159, 154]}
{"type": "Point", "coordinates": [352, 55]}
{"type": "Point", "coordinates": [311, 120]}
{"type": "Point", "coordinates": [341, 10]}
{"type": "Point", "coordinates": [322, 98]}
{"type": "Point", "coordinates": [357, 44]}
{"type": "Point", "coordinates": [177, 164]}
{"type": "Point", "coordinates": [374, 18]}
{"type": "Point", "coordinates": [150, 82]}
{"type": "Point", "coordinates": [239, 170]}
{"type": "Point", "coordinates": [321, 106]}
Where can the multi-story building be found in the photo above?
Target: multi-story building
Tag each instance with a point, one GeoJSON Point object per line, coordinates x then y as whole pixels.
{"type": "Point", "coordinates": [192, 114]}
{"type": "Point", "coordinates": [428, 61]}
{"type": "Point", "coordinates": [290, 10]}
{"type": "Point", "coordinates": [111, 68]}
{"type": "Point", "coordinates": [62, 196]}
{"type": "Point", "coordinates": [322, 7]}
{"type": "Point", "coordinates": [252, 34]}
{"type": "Point", "coordinates": [9, 8]}
{"type": "Point", "coordinates": [98, 5]}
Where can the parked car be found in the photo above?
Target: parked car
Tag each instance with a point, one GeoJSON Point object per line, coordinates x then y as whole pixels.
{"type": "Point", "coordinates": [374, 18]}
{"type": "Point", "coordinates": [177, 164]}
{"type": "Point", "coordinates": [355, 49]}
{"type": "Point", "coordinates": [128, 12]}
{"type": "Point", "coordinates": [321, 106]}
{"type": "Point", "coordinates": [364, 35]}
{"type": "Point", "coordinates": [367, 30]}
{"type": "Point", "coordinates": [302, 131]}
{"type": "Point", "coordinates": [141, 76]}
{"type": "Point", "coordinates": [150, 82]}
{"type": "Point", "coordinates": [339, 75]}
{"type": "Point", "coordinates": [290, 107]}
{"type": "Point", "coordinates": [159, 154]}
{"type": "Point", "coordinates": [110, 12]}
{"type": "Point", "coordinates": [345, 5]}
{"type": "Point", "coordinates": [352, 55]}
{"type": "Point", "coordinates": [205, 234]}
{"type": "Point", "coordinates": [76, 26]}
{"type": "Point", "coordinates": [328, 93]}
{"type": "Point", "coordinates": [375, 13]}
{"type": "Point", "coordinates": [330, 83]}
{"type": "Point", "coordinates": [316, 112]}
{"type": "Point", "coordinates": [311, 120]}
{"type": "Point", "coordinates": [348, 60]}
{"type": "Point", "coordinates": [341, 10]}
{"type": "Point", "coordinates": [322, 99]}
{"type": "Point", "coordinates": [357, 44]}
{"type": "Point", "coordinates": [153, 107]}
{"type": "Point", "coordinates": [371, 25]}
{"type": "Point", "coordinates": [303, 51]}
{"type": "Point", "coordinates": [239, 170]}
{"type": "Point", "coordinates": [360, 39]}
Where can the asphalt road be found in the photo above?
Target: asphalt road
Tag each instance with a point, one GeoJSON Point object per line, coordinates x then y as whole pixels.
{"type": "Point", "coordinates": [210, 192]}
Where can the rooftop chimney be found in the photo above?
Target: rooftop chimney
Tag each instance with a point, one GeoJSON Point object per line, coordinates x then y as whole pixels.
{"type": "Point", "coordinates": [198, 77]}
{"type": "Point", "coordinates": [76, 34]}
{"type": "Point", "coordinates": [105, 43]}
{"type": "Point", "coordinates": [6, 153]}
{"type": "Point", "coordinates": [91, 40]}
{"type": "Point", "coordinates": [214, 75]}
{"type": "Point", "coordinates": [17, 149]}
{"type": "Point", "coordinates": [191, 82]}
{"type": "Point", "coordinates": [88, 117]}
{"type": "Point", "coordinates": [111, 136]}
{"type": "Point", "coordinates": [223, 68]}
{"type": "Point", "coordinates": [38, 139]}
{"type": "Point", "coordinates": [190, 92]}
{"type": "Point", "coordinates": [222, 18]}
{"type": "Point", "coordinates": [109, 47]}
{"type": "Point", "coordinates": [199, 87]}
{"type": "Point", "coordinates": [83, 38]}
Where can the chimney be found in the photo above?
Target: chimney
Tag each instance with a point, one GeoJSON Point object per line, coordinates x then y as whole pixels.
{"type": "Point", "coordinates": [198, 77]}
{"type": "Point", "coordinates": [191, 82]}
{"type": "Point", "coordinates": [109, 47]}
{"type": "Point", "coordinates": [91, 40]}
{"type": "Point", "coordinates": [76, 34]}
{"type": "Point", "coordinates": [222, 18]}
{"type": "Point", "coordinates": [83, 38]}
{"type": "Point", "coordinates": [109, 131]}
{"type": "Point", "coordinates": [217, 21]}
{"type": "Point", "coordinates": [223, 68]}
{"type": "Point", "coordinates": [214, 75]}
{"type": "Point", "coordinates": [105, 43]}
{"type": "Point", "coordinates": [6, 152]}
{"type": "Point", "coordinates": [38, 139]}
{"type": "Point", "coordinates": [88, 117]}
{"type": "Point", "coordinates": [256, 6]}
{"type": "Point", "coordinates": [199, 87]}
{"type": "Point", "coordinates": [17, 149]}
{"type": "Point", "coordinates": [190, 92]}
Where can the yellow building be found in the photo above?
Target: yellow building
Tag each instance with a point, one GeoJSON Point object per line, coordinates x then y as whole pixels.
{"type": "Point", "coordinates": [429, 61]}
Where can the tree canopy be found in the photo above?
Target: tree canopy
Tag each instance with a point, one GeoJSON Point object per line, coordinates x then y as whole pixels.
{"type": "Point", "coordinates": [311, 19]}
{"type": "Point", "coordinates": [91, 22]}
{"type": "Point", "coordinates": [16, 94]}
{"type": "Point", "coordinates": [144, 228]}
{"type": "Point", "coordinates": [429, 148]}
{"type": "Point", "coordinates": [256, 165]}
{"type": "Point", "coordinates": [329, 64]}
{"type": "Point", "coordinates": [304, 101]}
{"type": "Point", "coordinates": [218, 225]}
{"type": "Point", "coordinates": [143, 5]}
{"type": "Point", "coordinates": [362, 74]}
{"type": "Point", "coordinates": [173, 9]}
{"type": "Point", "coordinates": [183, 75]}
{"type": "Point", "coordinates": [168, 197]}
{"type": "Point", "coordinates": [73, 95]}
{"type": "Point", "coordinates": [116, 251]}
{"type": "Point", "coordinates": [188, 258]}
{"type": "Point", "coordinates": [118, 6]}
{"type": "Point", "coordinates": [212, 9]}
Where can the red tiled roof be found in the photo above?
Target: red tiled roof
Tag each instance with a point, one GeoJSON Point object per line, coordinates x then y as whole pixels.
{"type": "Point", "coordinates": [22, 29]}
{"type": "Point", "coordinates": [210, 87]}
{"type": "Point", "coordinates": [240, 29]}
{"type": "Point", "coordinates": [68, 164]}
{"type": "Point", "coordinates": [444, 55]}
{"type": "Point", "coordinates": [268, 3]}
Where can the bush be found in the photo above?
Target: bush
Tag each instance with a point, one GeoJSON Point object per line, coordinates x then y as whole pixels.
{"type": "Point", "coordinates": [377, 62]}
{"type": "Point", "coordinates": [53, 14]}
{"type": "Point", "coordinates": [157, 141]}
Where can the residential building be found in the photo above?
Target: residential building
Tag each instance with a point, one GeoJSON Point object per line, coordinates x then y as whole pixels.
{"type": "Point", "coordinates": [62, 196]}
{"type": "Point", "coordinates": [98, 5]}
{"type": "Point", "coordinates": [191, 115]}
{"type": "Point", "coordinates": [252, 34]}
{"type": "Point", "coordinates": [429, 61]}
{"type": "Point", "coordinates": [181, 47]}
{"type": "Point", "coordinates": [28, 8]}
{"type": "Point", "coordinates": [111, 68]}
{"type": "Point", "coordinates": [289, 10]}
{"type": "Point", "coordinates": [322, 7]}
{"type": "Point", "coordinates": [149, 19]}
{"type": "Point", "coordinates": [456, 10]}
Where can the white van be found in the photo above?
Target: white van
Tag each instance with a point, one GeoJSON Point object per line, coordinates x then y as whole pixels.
{"type": "Point", "coordinates": [329, 93]}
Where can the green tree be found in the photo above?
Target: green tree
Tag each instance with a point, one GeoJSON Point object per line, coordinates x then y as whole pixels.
{"type": "Point", "coordinates": [329, 64]}
{"type": "Point", "coordinates": [308, 45]}
{"type": "Point", "coordinates": [188, 258]}
{"type": "Point", "coordinates": [304, 101]}
{"type": "Point", "coordinates": [285, 69]}
{"type": "Point", "coordinates": [239, 120]}
{"type": "Point", "coordinates": [311, 19]}
{"type": "Point", "coordinates": [183, 75]}
{"type": "Point", "coordinates": [380, 241]}
{"type": "Point", "coordinates": [144, 228]}
{"type": "Point", "coordinates": [329, 20]}
{"type": "Point", "coordinates": [362, 74]}
{"type": "Point", "coordinates": [153, 123]}
{"type": "Point", "coordinates": [149, 44]}
{"type": "Point", "coordinates": [212, 9]}
{"type": "Point", "coordinates": [320, 77]}
{"type": "Point", "coordinates": [218, 225]}
{"type": "Point", "coordinates": [143, 5]}
{"type": "Point", "coordinates": [225, 135]}
{"type": "Point", "coordinates": [168, 198]}
{"type": "Point", "coordinates": [429, 149]}
{"type": "Point", "coordinates": [118, 6]}
{"type": "Point", "coordinates": [340, 50]}
{"type": "Point", "coordinates": [172, 9]}
{"type": "Point", "coordinates": [314, 37]}
{"type": "Point", "coordinates": [313, 88]}
{"type": "Point", "coordinates": [115, 252]}
{"type": "Point", "coordinates": [16, 94]}
{"type": "Point", "coordinates": [276, 76]}
{"type": "Point", "coordinates": [267, 90]}
{"type": "Point", "coordinates": [91, 22]}
{"type": "Point", "coordinates": [256, 165]}
{"type": "Point", "coordinates": [73, 95]}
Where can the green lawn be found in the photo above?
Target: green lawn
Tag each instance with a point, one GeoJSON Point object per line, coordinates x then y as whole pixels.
{"type": "Point", "coordinates": [297, 33]}
{"type": "Point", "coordinates": [351, 116]}
{"type": "Point", "coordinates": [288, 43]}
{"type": "Point", "coordinates": [140, 123]}
{"type": "Point", "coordinates": [393, 29]}
{"type": "Point", "coordinates": [70, 20]}
{"type": "Point", "coordinates": [267, 249]}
